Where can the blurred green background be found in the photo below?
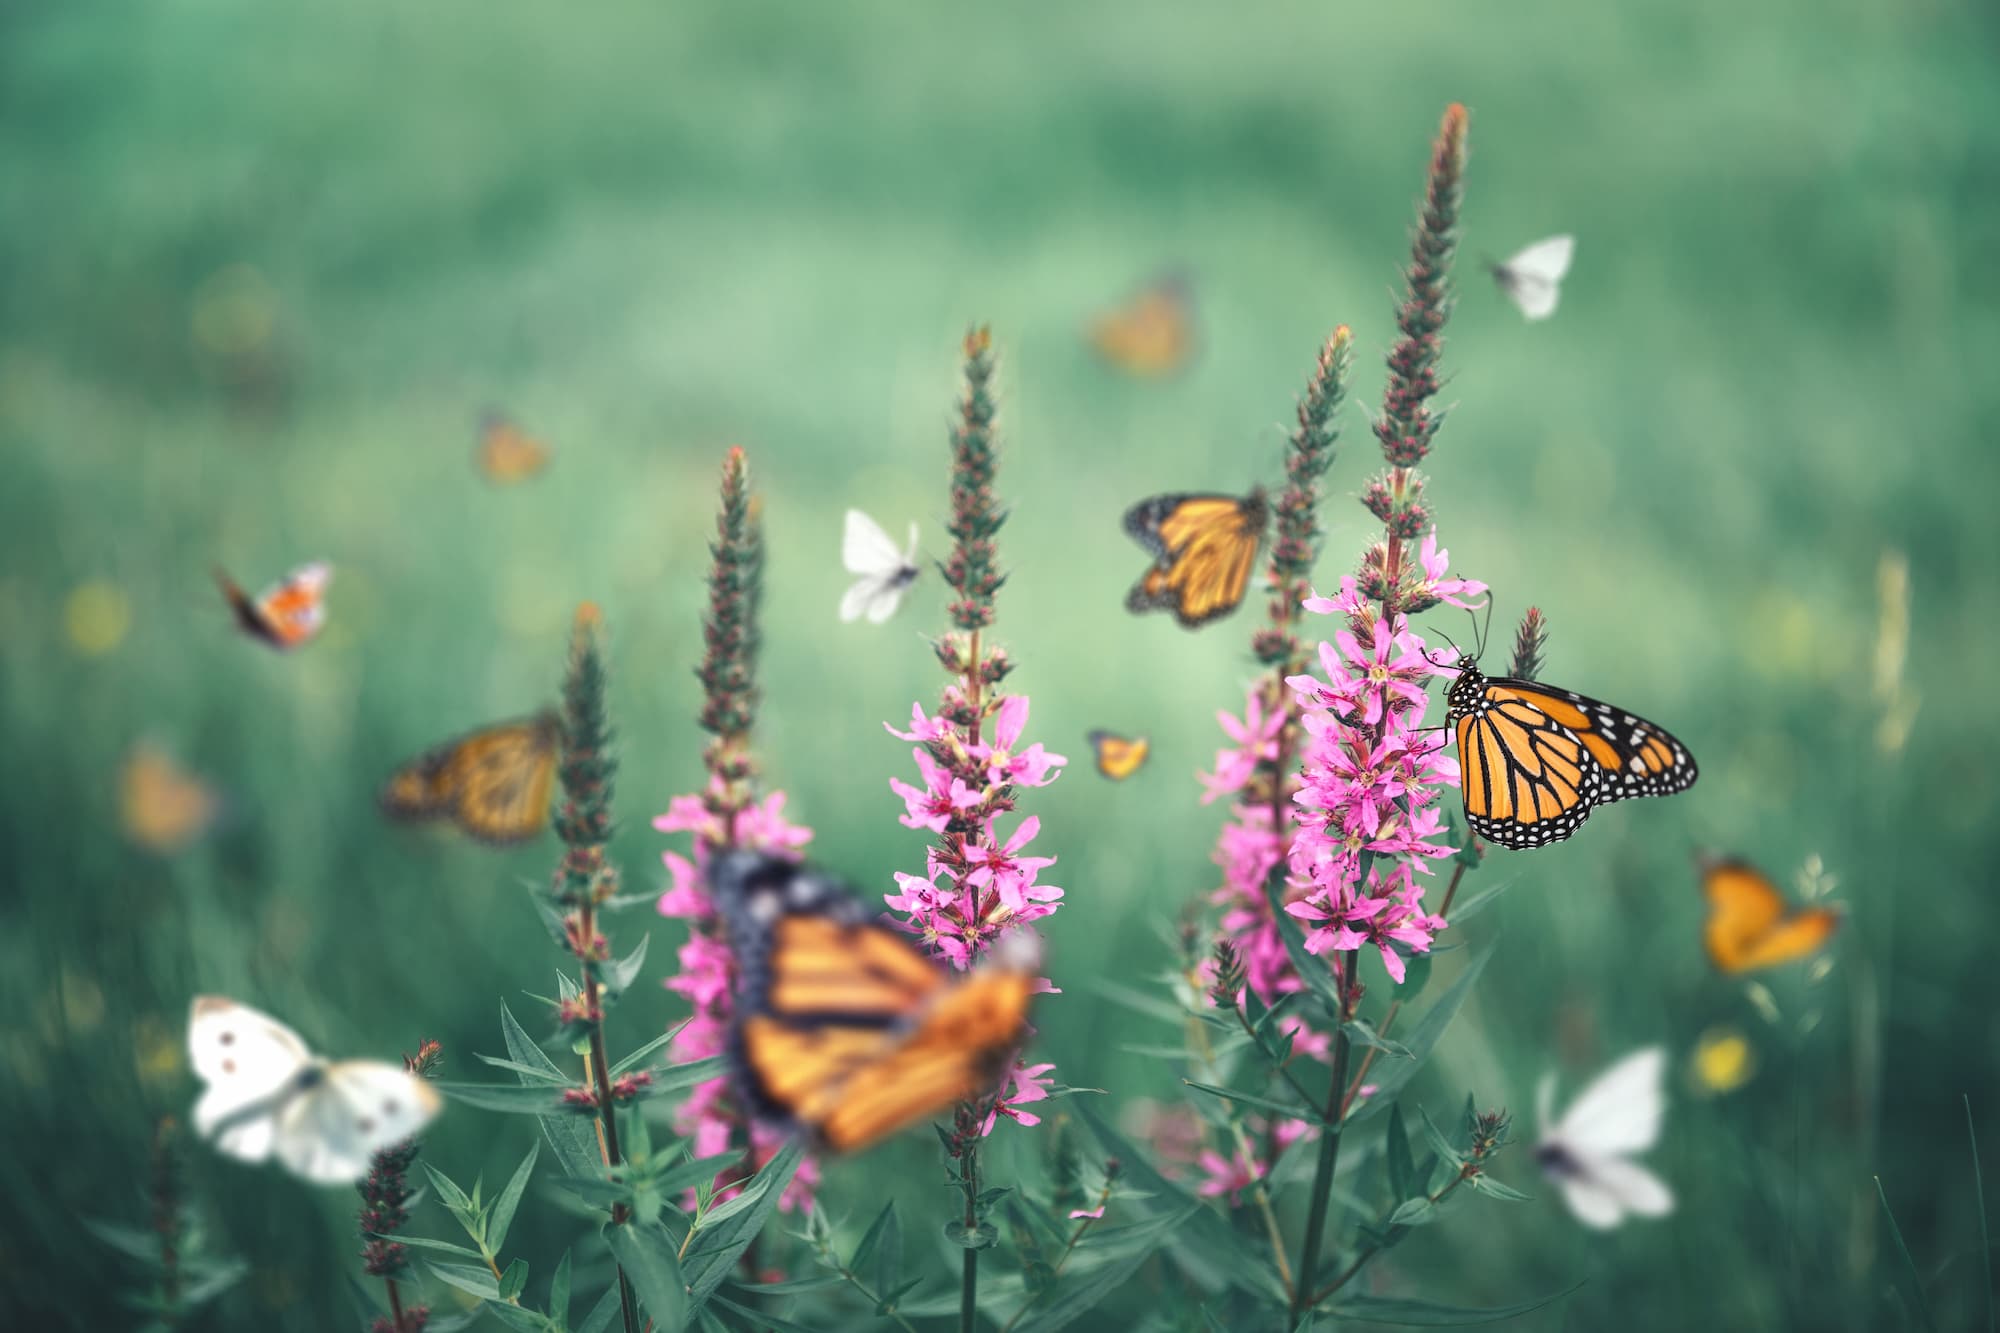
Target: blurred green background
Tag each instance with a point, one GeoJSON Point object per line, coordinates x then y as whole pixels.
{"type": "Point", "coordinates": [262, 267]}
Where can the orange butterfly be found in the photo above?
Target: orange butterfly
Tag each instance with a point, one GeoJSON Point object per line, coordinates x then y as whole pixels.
{"type": "Point", "coordinates": [1152, 334]}
{"type": "Point", "coordinates": [286, 614]}
{"type": "Point", "coordinates": [1750, 925]}
{"type": "Point", "coordinates": [1119, 757]}
{"type": "Point", "coordinates": [844, 1028]}
{"type": "Point", "coordinates": [507, 454]}
{"type": "Point", "coordinates": [495, 783]}
{"type": "Point", "coordinates": [1204, 550]}
{"type": "Point", "coordinates": [161, 805]}
{"type": "Point", "coordinates": [1534, 760]}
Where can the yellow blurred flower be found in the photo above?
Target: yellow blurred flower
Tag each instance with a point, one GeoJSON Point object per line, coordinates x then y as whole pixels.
{"type": "Point", "coordinates": [97, 616]}
{"type": "Point", "coordinates": [1723, 1061]}
{"type": "Point", "coordinates": [162, 806]}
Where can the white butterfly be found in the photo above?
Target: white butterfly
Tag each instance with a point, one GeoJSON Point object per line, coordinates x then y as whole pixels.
{"type": "Point", "coordinates": [1532, 279]}
{"type": "Point", "coordinates": [885, 573]}
{"type": "Point", "coordinates": [1588, 1152]}
{"type": "Point", "coordinates": [267, 1094]}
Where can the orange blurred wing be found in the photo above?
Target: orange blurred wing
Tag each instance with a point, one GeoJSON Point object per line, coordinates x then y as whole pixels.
{"type": "Point", "coordinates": [1152, 335]}
{"type": "Point", "coordinates": [507, 454]}
{"type": "Point", "coordinates": [495, 783]}
{"type": "Point", "coordinates": [1118, 757]}
{"type": "Point", "coordinates": [1204, 551]}
{"type": "Point", "coordinates": [1751, 926]}
{"type": "Point", "coordinates": [162, 806]}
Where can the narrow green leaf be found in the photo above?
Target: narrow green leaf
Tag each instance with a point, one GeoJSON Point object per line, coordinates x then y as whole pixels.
{"type": "Point", "coordinates": [514, 1280]}
{"type": "Point", "coordinates": [1487, 1185]}
{"type": "Point", "coordinates": [569, 1134]}
{"type": "Point", "coordinates": [1416, 975]}
{"type": "Point", "coordinates": [602, 1314]}
{"type": "Point", "coordinates": [1359, 1032]}
{"type": "Point", "coordinates": [1433, 1314]}
{"type": "Point", "coordinates": [136, 1242]}
{"type": "Point", "coordinates": [527, 1072]}
{"type": "Point", "coordinates": [513, 1316]}
{"type": "Point", "coordinates": [889, 1255]}
{"type": "Point", "coordinates": [619, 974]}
{"type": "Point", "coordinates": [1290, 1110]}
{"type": "Point", "coordinates": [1979, 1197]}
{"type": "Point", "coordinates": [1402, 1169]}
{"type": "Point", "coordinates": [441, 1247]}
{"type": "Point", "coordinates": [468, 1278]}
{"type": "Point", "coordinates": [1413, 1212]}
{"type": "Point", "coordinates": [559, 1292]}
{"type": "Point", "coordinates": [1139, 1002]}
{"type": "Point", "coordinates": [1479, 902]}
{"type": "Point", "coordinates": [1083, 1293]}
{"type": "Point", "coordinates": [697, 1172]}
{"type": "Point", "coordinates": [456, 1201]}
{"type": "Point", "coordinates": [647, 1256]}
{"type": "Point", "coordinates": [638, 1057]}
{"type": "Point", "coordinates": [502, 1215]}
{"type": "Point", "coordinates": [531, 1099]}
{"type": "Point", "coordinates": [762, 1319]}
{"type": "Point", "coordinates": [713, 1252]}
{"type": "Point", "coordinates": [1446, 1150]}
{"type": "Point", "coordinates": [1421, 1038]}
{"type": "Point", "coordinates": [675, 1077]}
{"type": "Point", "coordinates": [1909, 1265]}
{"type": "Point", "coordinates": [794, 1287]}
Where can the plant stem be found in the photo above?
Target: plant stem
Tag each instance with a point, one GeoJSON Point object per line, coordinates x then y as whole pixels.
{"type": "Point", "coordinates": [1329, 1157]}
{"type": "Point", "coordinates": [968, 1280]}
{"type": "Point", "coordinates": [1347, 1274]}
{"type": "Point", "coordinates": [395, 1303]}
{"type": "Point", "coordinates": [1395, 1006]}
{"type": "Point", "coordinates": [597, 1069]}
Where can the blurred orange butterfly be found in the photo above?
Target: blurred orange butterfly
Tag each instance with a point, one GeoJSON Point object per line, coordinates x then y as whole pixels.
{"type": "Point", "coordinates": [1152, 334]}
{"type": "Point", "coordinates": [495, 783]}
{"type": "Point", "coordinates": [507, 454]}
{"type": "Point", "coordinates": [1534, 760]}
{"type": "Point", "coordinates": [1119, 757]}
{"type": "Point", "coordinates": [1751, 926]}
{"type": "Point", "coordinates": [1204, 550]}
{"type": "Point", "coordinates": [161, 805]}
{"type": "Point", "coordinates": [286, 614]}
{"type": "Point", "coordinates": [844, 1027]}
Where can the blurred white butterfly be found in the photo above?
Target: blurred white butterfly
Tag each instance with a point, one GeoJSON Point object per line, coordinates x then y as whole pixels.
{"type": "Point", "coordinates": [884, 573]}
{"type": "Point", "coordinates": [1588, 1152]}
{"type": "Point", "coordinates": [1532, 279]}
{"type": "Point", "coordinates": [268, 1095]}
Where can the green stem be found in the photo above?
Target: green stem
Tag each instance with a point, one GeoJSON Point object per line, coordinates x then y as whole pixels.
{"type": "Point", "coordinates": [1361, 1259]}
{"type": "Point", "coordinates": [1329, 1158]}
{"type": "Point", "coordinates": [968, 1280]}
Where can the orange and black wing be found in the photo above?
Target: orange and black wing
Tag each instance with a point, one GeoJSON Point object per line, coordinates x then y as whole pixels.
{"type": "Point", "coordinates": [1750, 925]}
{"type": "Point", "coordinates": [1204, 550]}
{"type": "Point", "coordinates": [1526, 779]}
{"type": "Point", "coordinates": [495, 783]}
{"type": "Point", "coordinates": [1639, 758]}
{"type": "Point", "coordinates": [845, 1027]}
{"type": "Point", "coordinates": [1118, 757]}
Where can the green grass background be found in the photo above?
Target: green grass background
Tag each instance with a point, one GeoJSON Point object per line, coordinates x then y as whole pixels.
{"type": "Point", "coordinates": [651, 231]}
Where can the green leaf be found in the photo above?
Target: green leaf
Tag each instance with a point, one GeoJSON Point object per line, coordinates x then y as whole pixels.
{"type": "Point", "coordinates": [647, 1256]}
{"type": "Point", "coordinates": [1413, 1212]}
{"type": "Point", "coordinates": [1422, 1038]}
{"type": "Point", "coordinates": [1290, 1110]}
{"type": "Point", "coordinates": [468, 1278]}
{"type": "Point", "coordinates": [502, 1215]}
{"type": "Point", "coordinates": [569, 1134]}
{"type": "Point", "coordinates": [441, 1247]}
{"type": "Point", "coordinates": [865, 1250]}
{"type": "Point", "coordinates": [1082, 1293]}
{"type": "Point", "coordinates": [700, 1171]}
{"type": "Point", "coordinates": [1139, 1002]}
{"type": "Point", "coordinates": [603, 1313]}
{"type": "Point", "coordinates": [532, 1099]}
{"type": "Point", "coordinates": [1910, 1272]}
{"type": "Point", "coordinates": [795, 1286]}
{"type": "Point", "coordinates": [1479, 902]}
{"type": "Point", "coordinates": [456, 1201]}
{"type": "Point", "coordinates": [513, 1316]}
{"type": "Point", "coordinates": [1205, 1246]}
{"type": "Point", "coordinates": [137, 1242]}
{"type": "Point", "coordinates": [1487, 1185]}
{"type": "Point", "coordinates": [762, 1319]}
{"type": "Point", "coordinates": [527, 1072]}
{"type": "Point", "coordinates": [675, 1077]}
{"type": "Point", "coordinates": [1979, 1197]}
{"type": "Point", "coordinates": [1402, 1168]}
{"type": "Point", "coordinates": [1433, 1314]}
{"type": "Point", "coordinates": [513, 1280]}
{"type": "Point", "coordinates": [638, 1057]}
{"type": "Point", "coordinates": [1446, 1150]}
{"type": "Point", "coordinates": [621, 973]}
{"type": "Point", "coordinates": [559, 1292]}
{"type": "Point", "coordinates": [977, 1236]}
{"type": "Point", "coordinates": [1416, 975]}
{"type": "Point", "coordinates": [1359, 1032]}
{"type": "Point", "coordinates": [889, 1254]}
{"type": "Point", "coordinates": [717, 1244]}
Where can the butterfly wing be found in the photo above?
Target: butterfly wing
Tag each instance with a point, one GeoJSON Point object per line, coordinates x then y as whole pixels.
{"type": "Point", "coordinates": [1204, 550]}
{"type": "Point", "coordinates": [162, 806]}
{"type": "Point", "coordinates": [1750, 925]}
{"type": "Point", "coordinates": [1525, 779]}
{"type": "Point", "coordinates": [250, 1063]}
{"type": "Point", "coordinates": [495, 782]}
{"type": "Point", "coordinates": [866, 549]}
{"type": "Point", "coordinates": [1532, 279]}
{"type": "Point", "coordinates": [1118, 757]}
{"type": "Point", "coordinates": [328, 1133]}
{"type": "Point", "coordinates": [507, 454]}
{"type": "Point", "coordinates": [294, 609]}
{"type": "Point", "coordinates": [1620, 1112]}
{"type": "Point", "coordinates": [1639, 758]}
{"type": "Point", "coordinates": [1150, 336]}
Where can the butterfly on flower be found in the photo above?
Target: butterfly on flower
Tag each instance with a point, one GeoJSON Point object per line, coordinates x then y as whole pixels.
{"type": "Point", "coordinates": [1152, 334]}
{"type": "Point", "coordinates": [494, 783]}
{"type": "Point", "coordinates": [506, 454]}
{"type": "Point", "coordinates": [286, 614]}
{"type": "Point", "coordinates": [1204, 549]}
{"type": "Point", "coordinates": [1534, 760]}
{"type": "Point", "coordinates": [265, 1094]}
{"type": "Point", "coordinates": [1750, 924]}
{"type": "Point", "coordinates": [1119, 757]}
{"type": "Point", "coordinates": [844, 1028]}
{"type": "Point", "coordinates": [1532, 279]}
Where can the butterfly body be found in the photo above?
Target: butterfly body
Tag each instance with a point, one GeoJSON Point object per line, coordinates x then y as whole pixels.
{"type": "Point", "coordinates": [285, 615]}
{"type": "Point", "coordinates": [495, 783]}
{"type": "Point", "coordinates": [1535, 760]}
{"type": "Point", "coordinates": [1204, 550]}
{"type": "Point", "coordinates": [844, 1028]}
{"type": "Point", "coordinates": [1750, 924]}
{"type": "Point", "coordinates": [266, 1095]}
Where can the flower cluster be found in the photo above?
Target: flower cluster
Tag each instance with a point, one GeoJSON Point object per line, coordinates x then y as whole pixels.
{"type": "Point", "coordinates": [1232, 1174]}
{"type": "Point", "coordinates": [725, 814]}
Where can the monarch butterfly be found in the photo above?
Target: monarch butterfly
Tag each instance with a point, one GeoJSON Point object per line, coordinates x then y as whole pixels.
{"type": "Point", "coordinates": [1119, 757]}
{"type": "Point", "coordinates": [1534, 760]}
{"type": "Point", "coordinates": [1751, 926]}
{"type": "Point", "coordinates": [286, 614]}
{"type": "Point", "coordinates": [1204, 548]}
{"type": "Point", "coordinates": [494, 783]}
{"type": "Point", "coordinates": [1152, 334]}
{"type": "Point", "coordinates": [506, 453]}
{"type": "Point", "coordinates": [844, 1028]}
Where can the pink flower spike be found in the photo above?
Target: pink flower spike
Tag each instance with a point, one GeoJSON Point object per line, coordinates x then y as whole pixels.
{"type": "Point", "coordinates": [685, 896]}
{"type": "Point", "coordinates": [923, 729]}
{"type": "Point", "coordinates": [1027, 1084]}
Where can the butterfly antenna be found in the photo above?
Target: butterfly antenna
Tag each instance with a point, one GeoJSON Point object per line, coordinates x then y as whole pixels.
{"type": "Point", "coordinates": [1454, 647]}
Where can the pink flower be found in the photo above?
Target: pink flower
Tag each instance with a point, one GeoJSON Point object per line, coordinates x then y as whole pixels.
{"type": "Point", "coordinates": [762, 827]}
{"type": "Point", "coordinates": [1256, 738]}
{"type": "Point", "coordinates": [685, 896]}
{"type": "Point", "coordinates": [1390, 671]}
{"type": "Point", "coordinates": [1032, 767]}
{"type": "Point", "coordinates": [1026, 1085]}
{"type": "Point", "coordinates": [1347, 602]}
{"type": "Point", "coordinates": [1007, 873]}
{"type": "Point", "coordinates": [1092, 1213]}
{"type": "Point", "coordinates": [939, 801]}
{"type": "Point", "coordinates": [1225, 1175]}
{"type": "Point", "coordinates": [923, 730]}
{"type": "Point", "coordinates": [705, 971]}
{"type": "Point", "coordinates": [1436, 587]}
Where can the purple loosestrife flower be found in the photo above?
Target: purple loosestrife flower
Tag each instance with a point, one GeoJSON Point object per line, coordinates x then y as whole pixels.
{"type": "Point", "coordinates": [726, 813]}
